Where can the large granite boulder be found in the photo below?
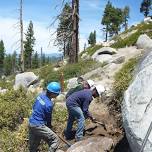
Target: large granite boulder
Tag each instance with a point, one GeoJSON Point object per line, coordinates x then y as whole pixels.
{"type": "Point", "coordinates": [25, 80]}
{"type": "Point", "coordinates": [104, 54]}
{"type": "Point", "coordinates": [137, 106]}
{"type": "Point", "coordinates": [93, 144]}
{"type": "Point", "coordinates": [144, 42]}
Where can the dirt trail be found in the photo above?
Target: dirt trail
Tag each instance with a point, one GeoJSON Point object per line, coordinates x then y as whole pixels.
{"type": "Point", "coordinates": [111, 129]}
{"type": "Point", "coordinates": [111, 118]}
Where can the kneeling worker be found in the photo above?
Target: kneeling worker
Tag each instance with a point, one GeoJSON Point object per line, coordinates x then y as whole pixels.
{"type": "Point", "coordinates": [40, 120]}
{"type": "Point", "coordinates": [78, 105]}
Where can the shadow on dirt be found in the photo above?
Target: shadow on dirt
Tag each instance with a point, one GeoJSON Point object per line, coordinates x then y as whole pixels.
{"type": "Point", "coordinates": [123, 145]}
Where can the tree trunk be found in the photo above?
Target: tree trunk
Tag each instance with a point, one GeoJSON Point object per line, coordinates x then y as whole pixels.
{"type": "Point", "coordinates": [106, 33]}
{"type": "Point", "coordinates": [126, 25]}
{"type": "Point", "coordinates": [64, 48]}
{"type": "Point", "coordinates": [73, 55]}
{"type": "Point", "coordinates": [21, 40]}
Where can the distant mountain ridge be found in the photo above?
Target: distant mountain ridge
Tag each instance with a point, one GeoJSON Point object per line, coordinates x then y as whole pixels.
{"type": "Point", "coordinates": [57, 55]}
{"type": "Point", "coordinates": [51, 55]}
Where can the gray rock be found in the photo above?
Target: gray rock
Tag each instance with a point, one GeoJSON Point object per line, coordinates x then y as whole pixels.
{"type": "Point", "coordinates": [118, 60]}
{"type": "Point", "coordinates": [104, 54]}
{"type": "Point", "coordinates": [59, 150]}
{"type": "Point", "coordinates": [60, 97]}
{"type": "Point", "coordinates": [93, 144]}
{"type": "Point", "coordinates": [85, 56]}
{"type": "Point", "coordinates": [147, 19]}
{"type": "Point", "coordinates": [128, 34]}
{"type": "Point", "coordinates": [3, 91]}
{"type": "Point", "coordinates": [3, 77]}
{"type": "Point", "coordinates": [72, 83]}
{"type": "Point", "coordinates": [144, 42]}
{"type": "Point", "coordinates": [97, 72]}
{"type": "Point", "coordinates": [25, 80]}
{"type": "Point", "coordinates": [137, 107]}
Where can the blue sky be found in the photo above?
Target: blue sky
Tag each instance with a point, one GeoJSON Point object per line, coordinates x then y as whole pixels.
{"type": "Point", "coordinates": [41, 12]}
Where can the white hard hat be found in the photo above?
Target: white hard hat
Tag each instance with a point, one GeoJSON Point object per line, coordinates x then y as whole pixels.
{"type": "Point", "coordinates": [100, 89]}
{"type": "Point", "coordinates": [91, 83]}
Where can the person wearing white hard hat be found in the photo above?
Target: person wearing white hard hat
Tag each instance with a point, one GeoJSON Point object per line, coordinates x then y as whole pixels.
{"type": "Point", "coordinates": [100, 89]}
{"type": "Point", "coordinates": [77, 105]}
{"type": "Point", "coordinates": [83, 84]}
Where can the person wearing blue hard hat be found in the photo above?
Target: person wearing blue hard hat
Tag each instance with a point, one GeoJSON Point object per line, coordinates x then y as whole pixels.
{"type": "Point", "coordinates": [40, 119]}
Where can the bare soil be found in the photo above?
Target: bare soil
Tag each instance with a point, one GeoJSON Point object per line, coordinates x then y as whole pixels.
{"type": "Point", "coordinates": [110, 118]}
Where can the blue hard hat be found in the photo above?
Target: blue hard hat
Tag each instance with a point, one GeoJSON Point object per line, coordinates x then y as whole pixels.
{"type": "Point", "coordinates": [54, 87]}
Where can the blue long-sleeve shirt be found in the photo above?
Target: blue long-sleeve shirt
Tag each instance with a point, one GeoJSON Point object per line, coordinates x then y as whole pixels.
{"type": "Point", "coordinates": [80, 99]}
{"type": "Point", "coordinates": [42, 111]}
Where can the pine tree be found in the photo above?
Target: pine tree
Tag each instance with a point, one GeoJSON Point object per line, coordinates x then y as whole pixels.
{"type": "Point", "coordinates": [126, 11]}
{"type": "Point", "coordinates": [2, 56]}
{"type": "Point", "coordinates": [35, 61]}
{"type": "Point", "coordinates": [92, 38]}
{"type": "Point", "coordinates": [14, 62]}
{"type": "Point", "coordinates": [106, 20]}
{"type": "Point", "coordinates": [43, 60]}
{"type": "Point", "coordinates": [64, 30]}
{"type": "Point", "coordinates": [8, 65]}
{"type": "Point", "coordinates": [112, 20]}
{"type": "Point", "coordinates": [28, 46]}
{"type": "Point", "coordinates": [116, 21]}
{"type": "Point", "coordinates": [146, 7]}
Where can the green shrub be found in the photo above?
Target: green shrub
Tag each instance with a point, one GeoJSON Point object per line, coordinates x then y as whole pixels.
{"type": "Point", "coordinates": [92, 49]}
{"type": "Point", "coordinates": [129, 41]}
{"type": "Point", "coordinates": [132, 39]}
{"type": "Point", "coordinates": [123, 78]}
{"type": "Point", "coordinates": [17, 141]}
{"type": "Point", "coordinates": [59, 118]}
{"type": "Point", "coordinates": [15, 105]}
{"type": "Point", "coordinates": [70, 70]}
{"type": "Point", "coordinates": [6, 84]}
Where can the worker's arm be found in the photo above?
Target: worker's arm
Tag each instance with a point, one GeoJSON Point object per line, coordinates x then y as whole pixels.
{"type": "Point", "coordinates": [85, 108]}
{"type": "Point", "coordinates": [48, 114]}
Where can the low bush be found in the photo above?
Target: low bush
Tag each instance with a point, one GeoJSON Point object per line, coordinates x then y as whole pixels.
{"type": "Point", "coordinates": [92, 49]}
{"type": "Point", "coordinates": [142, 28]}
{"type": "Point", "coordinates": [59, 118]}
{"type": "Point", "coordinates": [17, 141]}
{"type": "Point", "coordinates": [123, 78]}
{"type": "Point", "coordinates": [129, 41]}
{"type": "Point", "coordinates": [15, 105]}
{"type": "Point", "coordinates": [69, 71]}
{"type": "Point", "coordinates": [6, 84]}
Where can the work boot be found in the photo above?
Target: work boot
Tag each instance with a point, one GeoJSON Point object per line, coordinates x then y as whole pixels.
{"type": "Point", "coordinates": [69, 135]}
{"type": "Point", "coordinates": [79, 139]}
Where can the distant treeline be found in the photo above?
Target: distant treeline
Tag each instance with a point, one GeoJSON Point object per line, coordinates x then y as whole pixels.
{"type": "Point", "coordinates": [10, 63]}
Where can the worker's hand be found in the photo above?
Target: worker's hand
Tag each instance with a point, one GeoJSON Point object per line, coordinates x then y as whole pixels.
{"type": "Point", "coordinates": [92, 119]}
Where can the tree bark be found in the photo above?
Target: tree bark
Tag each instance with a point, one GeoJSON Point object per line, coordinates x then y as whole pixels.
{"type": "Point", "coordinates": [75, 40]}
{"type": "Point", "coordinates": [21, 39]}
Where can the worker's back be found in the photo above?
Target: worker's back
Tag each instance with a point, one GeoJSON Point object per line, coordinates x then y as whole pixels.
{"type": "Point", "coordinates": [42, 109]}
{"type": "Point", "coordinates": [72, 90]}
{"type": "Point", "coordinates": [79, 98]}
